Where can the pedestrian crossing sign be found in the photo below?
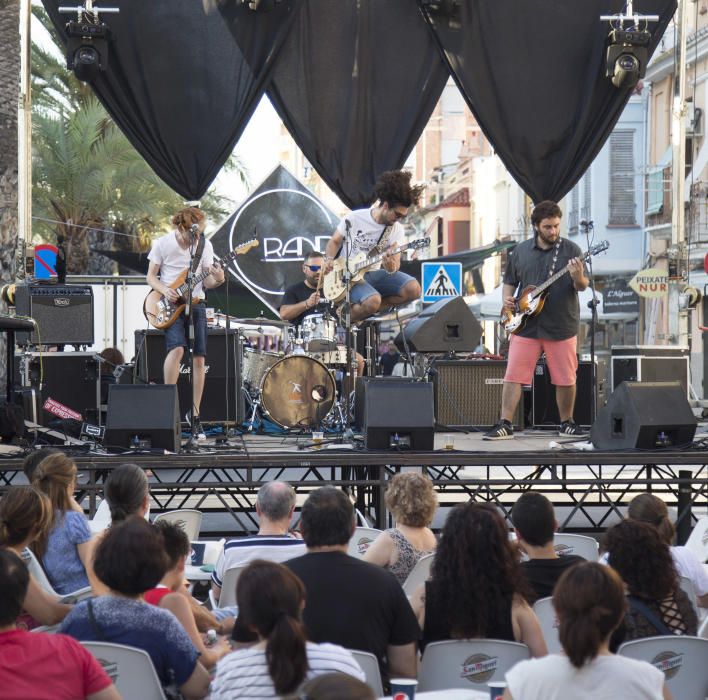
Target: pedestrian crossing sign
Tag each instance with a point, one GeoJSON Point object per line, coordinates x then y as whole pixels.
{"type": "Point", "coordinates": [441, 281]}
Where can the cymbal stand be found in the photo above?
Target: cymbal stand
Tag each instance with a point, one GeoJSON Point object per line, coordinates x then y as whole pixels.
{"type": "Point", "coordinates": [350, 369]}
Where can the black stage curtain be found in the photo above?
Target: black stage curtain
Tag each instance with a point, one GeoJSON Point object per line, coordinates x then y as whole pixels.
{"type": "Point", "coordinates": [355, 84]}
{"type": "Point", "coordinates": [532, 73]}
{"type": "Point", "coordinates": [179, 86]}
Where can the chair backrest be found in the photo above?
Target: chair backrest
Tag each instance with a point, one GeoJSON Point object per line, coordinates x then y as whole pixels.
{"type": "Point", "coordinates": [130, 669]}
{"type": "Point", "coordinates": [189, 519]}
{"type": "Point", "coordinates": [580, 545]}
{"type": "Point", "coordinates": [361, 539]}
{"type": "Point", "coordinates": [546, 614]}
{"type": "Point", "coordinates": [370, 666]}
{"type": "Point", "coordinates": [227, 597]}
{"type": "Point", "coordinates": [468, 663]}
{"type": "Point", "coordinates": [697, 541]}
{"type": "Point", "coordinates": [681, 658]}
{"type": "Point", "coordinates": [36, 571]}
{"type": "Point", "coordinates": [703, 628]}
{"type": "Point", "coordinates": [689, 589]}
{"type": "Point", "coordinates": [419, 574]}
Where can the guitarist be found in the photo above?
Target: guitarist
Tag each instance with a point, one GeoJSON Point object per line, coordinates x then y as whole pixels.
{"type": "Point", "coordinates": [554, 330]}
{"type": "Point", "coordinates": [169, 257]}
{"type": "Point", "coordinates": [373, 230]}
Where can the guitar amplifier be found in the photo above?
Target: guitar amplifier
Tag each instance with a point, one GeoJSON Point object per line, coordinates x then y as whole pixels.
{"type": "Point", "coordinates": [468, 393]}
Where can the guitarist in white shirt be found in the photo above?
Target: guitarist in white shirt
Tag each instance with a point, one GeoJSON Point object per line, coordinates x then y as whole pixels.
{"type": "Point", "coordinates": [554, 330]}
{"type": "Point", "coordinates": [373, 230]}
{"type": "Point", "coordinates": [170, 256]}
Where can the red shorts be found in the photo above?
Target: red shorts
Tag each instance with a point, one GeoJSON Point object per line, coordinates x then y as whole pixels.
{"type": "Point", "coordinates": [561, 359]}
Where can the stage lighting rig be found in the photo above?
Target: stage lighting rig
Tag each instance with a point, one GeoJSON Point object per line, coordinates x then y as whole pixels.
{"type": "Point", "coordinates": [87, 40]}
{"type": "Point", "coordinates": [627, 49]}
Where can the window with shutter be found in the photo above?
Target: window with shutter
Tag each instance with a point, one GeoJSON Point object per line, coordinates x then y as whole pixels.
{"type": "Point", "coordinates": [573, 214]}
{"type": "Point", "coordinates": [586, 208]}
{"type": "Point", "coordinates": [622, 189]}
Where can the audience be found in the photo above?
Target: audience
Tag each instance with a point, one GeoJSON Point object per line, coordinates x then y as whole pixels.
{"type": "Point", "coordinates": [275, 504]}
{"type": "Point", "coordinates": [25, 512]}
{"type": "Point", "coordinates": [42, 666]}
{"type": "Point", "coordinates": [31, 461]}
{"type": "Point", "coordinates": [589, 601]}
{"type": "Point", "coordinates": [66, 549]}
{"type": "Point", "coordinates": [656, 604]}
{"type": "Point", "coordinates": [412, 501]}
{"type": "Point", "coordinates": [127, 492]}
{"type": "Point", "coordinates": [476, 588]}
{"type": "Point", "coordinates": [351, 602]}
{"type": "Point", "coordinates": [535, 524]}
{"type": "Point", "coordinates": [334, 686]}
{"type": "Point", "coordinates": [173, 595]}
{"type": "Point", "coordinates": [130, 560]}
{"type": "Point", "coordinates": [270, 599]}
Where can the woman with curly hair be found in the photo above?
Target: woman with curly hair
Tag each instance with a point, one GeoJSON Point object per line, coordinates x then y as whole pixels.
{"type": "Point", "coordinates": [589, 602]}
{"type": "Point", "coordinates": [412, 500]}
{"type": "Point", "coordinates": [476, 588]}
{"type": "Point", "coordinates": [657, 605]}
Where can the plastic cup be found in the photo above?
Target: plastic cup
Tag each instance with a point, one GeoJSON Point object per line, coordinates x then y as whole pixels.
{"type": "Point", "coordinates": [496, 690]}
{"type": "Point", "coordinates": [403, 688]}
{"type": "Point", "coordinates": [449, 442]}
{"type": "Point", "coordinates": [317, 437]}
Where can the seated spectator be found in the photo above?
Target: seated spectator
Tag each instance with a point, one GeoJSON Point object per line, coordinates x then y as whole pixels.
{"type": "Point", "coordinates": [335, 686]}
{"type": "Point", "coordinates": [534, 525]}
{"type": "Point", "coordinates": [275, 504]}
{"type": "Point", "coordinates": [42, 666]}
{"type": "Point", "coordinates": [30, 462]}
{"type": "Point", "coordinates": [350, 602]}
{"type": "Point", "coordinates": [25, 512]}
{"type": "Point", "coordinates": [412, 500]}
{"type": "Point", "coordinates": [589, 601]}
{"type": "Point", "coordinates": [66, 549]}
{"type": "Point", "coordinates": [656, 603]}
{"type": "Point", "coordinates": [270, 600]}
{"type": "Point", "coordinates": [130, 560]}
{"type": "Point", "coordinates": [476, 588]}
{"type": "Point", "coordinates": [172, 594]}
{"type": "Point", "coordinates": [648, 508]}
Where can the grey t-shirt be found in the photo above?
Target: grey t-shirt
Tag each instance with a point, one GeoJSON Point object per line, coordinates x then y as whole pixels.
{"type": "Point", "coordinates": [529, 265]}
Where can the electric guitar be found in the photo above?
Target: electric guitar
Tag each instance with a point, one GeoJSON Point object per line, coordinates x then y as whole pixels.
{"type": "Point", "coordinates": [334, 286]}
{"type": "Point", "coordinates": [531, 300]}
{"type": "Point", "coordinates": [161, 313]}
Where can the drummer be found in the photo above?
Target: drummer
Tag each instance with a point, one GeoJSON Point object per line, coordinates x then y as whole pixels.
{"type": "Point", "coordinates": [303, 298]}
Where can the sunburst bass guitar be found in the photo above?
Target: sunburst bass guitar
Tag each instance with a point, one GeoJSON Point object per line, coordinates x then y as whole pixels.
{"type": "Point", "coordinates": [161, 313]}
{"type": "Point", "coordinates": [531, 300]}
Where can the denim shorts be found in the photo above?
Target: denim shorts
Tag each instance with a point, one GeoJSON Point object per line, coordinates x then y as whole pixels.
{"type": "Point", "coordinates": [176, 334]}
{"type": "Point", "coordinates": [379, 282]}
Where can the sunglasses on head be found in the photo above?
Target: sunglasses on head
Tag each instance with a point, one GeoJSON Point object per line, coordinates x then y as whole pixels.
{"type": "Point", "coordinates": [314, 268]}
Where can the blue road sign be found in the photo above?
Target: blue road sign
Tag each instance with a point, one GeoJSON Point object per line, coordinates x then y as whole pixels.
{"type": "Point", "coordinates": [441, 281]}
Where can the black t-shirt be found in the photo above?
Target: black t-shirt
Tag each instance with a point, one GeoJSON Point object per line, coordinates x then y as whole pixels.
{"type": "Point", "coordinates": [388, 362]}
{"type": "Point", "coordinates": [297, 293]}
{"type": "Point", "coordinates": [543, 574]}
{"type": "Point", "coordinates": [355, 604]}
{"type": "Point", "coordinates": [529, 265]}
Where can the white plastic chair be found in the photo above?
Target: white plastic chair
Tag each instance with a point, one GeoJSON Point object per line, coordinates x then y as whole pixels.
{"type": "Point", "coordinates": [361, 539]}
{"type": "Point", "coordinates": [37, 572]}
{"type": "Point", "coordinates": [681, 658]}
{"type": "Point", "coordinates": [703, 629]}
{"type": "Point", "coordinates": [101, 519]}
{"type": "Point", "coordinates": [370, 666]}
{"type": "Point", "coordinates": [48, 629]}
{"type": "Point", "coordinates": [582, 546]}
{"type": "Point", "coordinates": [227, 597]}
{"type": "Point", "coordinates": [689, 589]}
{"type": "Point", "coordinates": [130, 669]}
{"type": "Point", "coordinates": [468, 663]}
{"type": "Point", "coordinates": [546, 614]}
{"type": "Point", "coordinates": [697, 541]}
{"type": "Point", "coordinates": [189, 519]}
{"type": "Point", "coordinates": [419, 574]}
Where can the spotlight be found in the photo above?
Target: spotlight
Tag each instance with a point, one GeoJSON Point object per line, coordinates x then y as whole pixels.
{"type": "Point", "coordinates": [627, 55]}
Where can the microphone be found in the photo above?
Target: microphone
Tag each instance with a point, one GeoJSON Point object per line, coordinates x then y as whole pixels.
{"type": "Point", "coordinates": [193, 231]}
{"type": "Point", "coordinates": [347, 225]}
{"type": "Point", "coordinates": [587, 223]}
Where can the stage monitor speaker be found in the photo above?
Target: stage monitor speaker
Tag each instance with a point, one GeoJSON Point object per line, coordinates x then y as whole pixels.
{"type": "Point", "coordinates": [395, 412]}
{"type": "Point", "coordinates": [144, 416]}
{"type": "Point", "coordinates": [63, 313]}
{"type": "Point", "coordinates": [222, 402]}
{"type": "Point", "coordinates": [446, 326]}
{"type": "Point", "coordinates": [645, 415]}
{"type": "Point", "coordinates": [468, 393]}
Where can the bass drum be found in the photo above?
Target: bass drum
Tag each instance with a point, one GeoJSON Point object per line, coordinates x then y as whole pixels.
{"type": "Point", "coordinates": [297, 392]}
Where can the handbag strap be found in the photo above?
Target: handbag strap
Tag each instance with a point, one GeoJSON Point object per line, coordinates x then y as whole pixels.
{"type": "Point", "coordinates": [94, 625]}
{"type": "Point", "coordinates": [653, 618]}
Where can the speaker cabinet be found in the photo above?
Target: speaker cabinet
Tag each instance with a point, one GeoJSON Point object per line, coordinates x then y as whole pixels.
{"type": "Point", "coordinates": [468, 393]}
{"type": "Point", "coordinates": [64, 314]}
{"type": "Point", "coordinates": [395, 412]}
{"type": "Point", "coordinates": [446, 326]}
{"type": "Point", "coordinates": [222, 401]}
{"type": "Point", "coordinates": [650, 363]}
{"type": "Point", "coordinates": [645, 415]}
{"type": "Point", "coordinates": [143, 415]}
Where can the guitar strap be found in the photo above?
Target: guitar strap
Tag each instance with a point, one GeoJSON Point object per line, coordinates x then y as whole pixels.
{"type": "Point", "coordinates": [378, 249]}
{"type": "Point", "coordinates": [198, 254]}
{"type": "Point", "coordinates": [555, 258]}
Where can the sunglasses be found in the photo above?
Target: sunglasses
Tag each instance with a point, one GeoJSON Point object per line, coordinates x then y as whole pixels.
{"type": "Point", "coordinates": [314, 268]}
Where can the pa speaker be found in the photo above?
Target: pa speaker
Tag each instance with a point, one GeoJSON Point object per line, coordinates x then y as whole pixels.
{"type": "Point", "coordinates": [645, 415]}
{"type": "Point", "coordinates": [446, 326]}
{"type": "Point", "coordinates": [143, 415]}
{"type": "Point", "coordinates": [395, 413]}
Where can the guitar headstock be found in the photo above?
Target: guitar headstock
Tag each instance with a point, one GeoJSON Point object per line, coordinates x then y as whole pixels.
{"type": "Point", "coordinates": [597, 248]}
{"type": "Point", "coordinates": [419, 244]}
{"type": "Point", "coordinates": [245, 247]}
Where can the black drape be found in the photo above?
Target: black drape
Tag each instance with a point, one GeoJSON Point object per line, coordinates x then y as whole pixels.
{"type": "Point", "coordinates": [179, 86]}
{"type": "Point", "coordinates": [532, 73]}
{"type": "Point", "coordinates": [355, 84]}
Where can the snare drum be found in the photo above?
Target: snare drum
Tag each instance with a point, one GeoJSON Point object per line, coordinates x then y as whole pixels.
{"type": "Point", "coordinates": [319, 331]}
{"type": "Point", "coordinates": [333, 358]}
{"type": "Point", "coordinates": [255, 364]}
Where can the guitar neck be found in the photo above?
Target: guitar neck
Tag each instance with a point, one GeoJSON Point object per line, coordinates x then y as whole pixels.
{"type": "Point", "coordinates": [201, 276]}
{"type": "Point", "coordinates": [378, 258]}
{"type": "Point", "coordinates": [554, 278]}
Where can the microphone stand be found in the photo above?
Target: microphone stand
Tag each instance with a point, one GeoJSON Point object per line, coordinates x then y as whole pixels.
{"type": "Point", "coordinates": [191, 445]}
{"type": "Point", "coordinates": [348, 386]}
{"type": "Point", "coordinates": [587, 226]}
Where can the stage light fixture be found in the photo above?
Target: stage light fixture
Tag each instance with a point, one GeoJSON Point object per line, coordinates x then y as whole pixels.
{"type": "Point", "coordinates": [627, 55]}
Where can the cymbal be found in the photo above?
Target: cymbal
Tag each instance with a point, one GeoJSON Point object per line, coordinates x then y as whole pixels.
{"type": "Point", "coordinates": [263, 321]}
